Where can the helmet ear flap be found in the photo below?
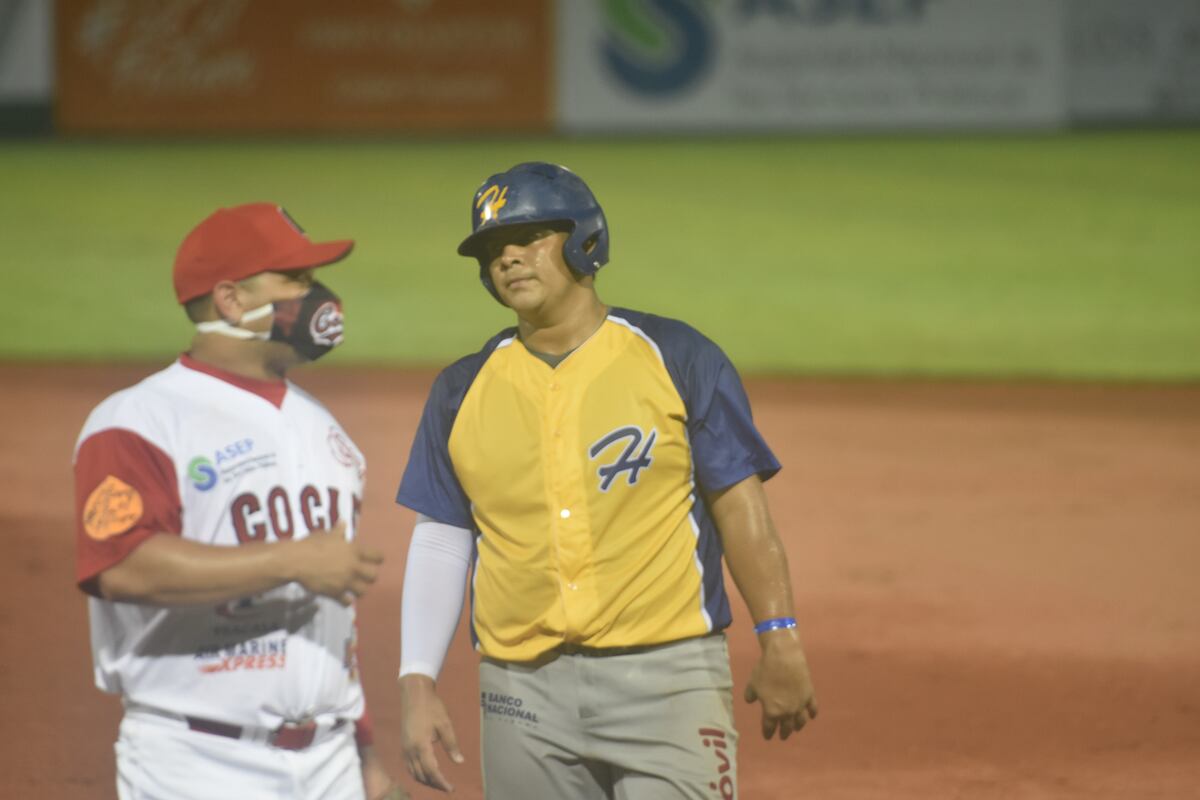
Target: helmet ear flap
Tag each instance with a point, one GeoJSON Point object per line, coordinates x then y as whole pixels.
{"type": "Point", "coordinates": [585, 255]}
{"type": "Point", "coordinates": [485, 278]}
{"type": "Point", "coordinates": [586, 250]}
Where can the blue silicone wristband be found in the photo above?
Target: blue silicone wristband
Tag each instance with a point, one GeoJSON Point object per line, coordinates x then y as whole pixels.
{"type": "Point", "coordinates": [775, 624]}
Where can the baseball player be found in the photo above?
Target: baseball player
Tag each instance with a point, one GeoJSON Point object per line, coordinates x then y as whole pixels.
{"type": "Point", "coordinates": [217, 510]}
{"type": "Point", "coordinates": [591, 466]}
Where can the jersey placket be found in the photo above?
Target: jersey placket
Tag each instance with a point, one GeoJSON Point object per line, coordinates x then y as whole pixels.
{"type": "Point", "coordinates": [293, 458]}
{"type": "Point", "coordinates": [568, 509]}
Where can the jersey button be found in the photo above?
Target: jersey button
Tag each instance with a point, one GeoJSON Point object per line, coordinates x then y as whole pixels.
{"type": "Point", "coordinates": [573, 586]}
{"type": "Point", "coordinates": [565, 513]}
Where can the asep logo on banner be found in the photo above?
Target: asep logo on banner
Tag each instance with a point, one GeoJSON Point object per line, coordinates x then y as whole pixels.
{"type": "Point", "coordinates": [659, 47]}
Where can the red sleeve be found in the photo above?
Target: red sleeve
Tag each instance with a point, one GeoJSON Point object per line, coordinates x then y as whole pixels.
{"type": "Point", "coordinates": [125, 492]}
{"type": "Point", "coordinates": [364, 730]}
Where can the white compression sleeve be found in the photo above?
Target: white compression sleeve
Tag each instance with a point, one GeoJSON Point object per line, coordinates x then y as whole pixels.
{"type": "Point", "coordinates": [434, 582]}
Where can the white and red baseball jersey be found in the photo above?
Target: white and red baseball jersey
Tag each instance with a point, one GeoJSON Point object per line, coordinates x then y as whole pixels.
{"type": "Point", "coordinates": [222, 460]}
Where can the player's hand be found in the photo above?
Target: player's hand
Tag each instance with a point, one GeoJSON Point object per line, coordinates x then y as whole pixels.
{"type": "Point", "coordinates": [331, 566]}
{"type": "Point", "coordinates": [425, 722]}
{"type": "Point", "coordinates": [781, 682]}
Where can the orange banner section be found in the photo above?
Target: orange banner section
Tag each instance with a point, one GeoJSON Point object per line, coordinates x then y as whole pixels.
{"type": "Point", "coordinates": [181, 66]}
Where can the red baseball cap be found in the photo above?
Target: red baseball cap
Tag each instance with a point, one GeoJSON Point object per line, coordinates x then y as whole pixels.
{"type": "Point", "coordinates": [236, 243]}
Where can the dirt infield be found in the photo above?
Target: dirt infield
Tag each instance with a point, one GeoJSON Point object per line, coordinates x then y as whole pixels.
{"type": "Point", "coordinates": [999, 587]}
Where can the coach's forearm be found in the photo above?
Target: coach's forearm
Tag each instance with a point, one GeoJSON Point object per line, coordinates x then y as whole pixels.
{"type": "Point", "coordinates": [167, 570]}
{"type": "Point", "coordinates": [755, 556]}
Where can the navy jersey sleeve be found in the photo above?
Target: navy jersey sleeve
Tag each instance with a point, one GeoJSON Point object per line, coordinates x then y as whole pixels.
{"type": "Point", "coordinates": [429, 485]}
{"type": "Point", "coordinates": [726, 446]}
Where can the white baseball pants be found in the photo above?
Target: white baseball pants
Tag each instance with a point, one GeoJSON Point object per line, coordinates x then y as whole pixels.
{"type": "Point", "coordinates": [160, 759]}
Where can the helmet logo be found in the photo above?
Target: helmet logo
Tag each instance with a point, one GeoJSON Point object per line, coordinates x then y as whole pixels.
{"type": "Point", "coordinates": [490, 203]}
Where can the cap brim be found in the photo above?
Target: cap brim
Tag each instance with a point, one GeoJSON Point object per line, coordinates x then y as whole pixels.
{"type": "Point", "coordinates": [316, 254]}
{"type": "Point", "coordinates": [470, 245]}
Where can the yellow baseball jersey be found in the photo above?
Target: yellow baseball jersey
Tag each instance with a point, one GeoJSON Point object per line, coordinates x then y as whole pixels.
{"type": "Point", "coordinates": [584, 484]}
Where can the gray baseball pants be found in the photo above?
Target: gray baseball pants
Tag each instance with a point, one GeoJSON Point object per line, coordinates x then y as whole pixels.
{"type": "Point", "coordinates": [648, 724]}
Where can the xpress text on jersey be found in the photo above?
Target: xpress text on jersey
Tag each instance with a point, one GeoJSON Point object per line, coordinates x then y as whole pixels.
{"type": "Point", "coordinates": [220, 460]}
{"type": "Point", "coordinates": [581, 481]}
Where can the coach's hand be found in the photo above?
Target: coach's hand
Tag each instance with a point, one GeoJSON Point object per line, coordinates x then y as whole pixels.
{"type": "Point", "coordinates": [329, 565]}
{"type": "Point", "coordinates": [781, 682]}
{"type": "Point", "coordinates": [424, 722]}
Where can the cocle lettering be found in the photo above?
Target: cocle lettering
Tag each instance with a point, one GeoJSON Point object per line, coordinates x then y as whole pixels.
{"type": "Point", "coordinates": [253, 519]}
{"type": "Point", "coordinates": [280, 512]}
{"type": "Point", "coordinates": [243, 507]}
{"type": "Point", "coordinates": [310, 503]}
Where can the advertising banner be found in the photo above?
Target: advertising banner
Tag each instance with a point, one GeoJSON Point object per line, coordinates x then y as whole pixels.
{"type": "Point", "coordinates": [731, 65]}
{"type": "Point", "coordinates": [303, 65]}
{"type": "Point", "coordinates": [25, 72]}
{"type": "Point", "coordinates": [1132, 60]}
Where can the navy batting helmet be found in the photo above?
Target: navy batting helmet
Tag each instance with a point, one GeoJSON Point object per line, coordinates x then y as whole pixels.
{"type": "Point", "coordinates": [539, 192]}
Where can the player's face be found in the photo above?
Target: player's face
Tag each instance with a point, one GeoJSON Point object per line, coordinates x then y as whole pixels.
{"type": "Point", "coordinates": [268, 287]}
{"type": "Point", "coordinates": [527, 267]}
{"type": "Point", "coordinates": [271, 287]}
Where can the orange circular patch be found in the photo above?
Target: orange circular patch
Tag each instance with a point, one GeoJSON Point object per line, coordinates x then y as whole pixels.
{"type": "Point", "coordinates": [113, 507]}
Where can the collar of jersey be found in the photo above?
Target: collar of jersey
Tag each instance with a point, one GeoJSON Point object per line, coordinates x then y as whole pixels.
{"type": "Point", "coordinates": [545, 358]}
{"type": "Point", "coordinates": [271, 391]}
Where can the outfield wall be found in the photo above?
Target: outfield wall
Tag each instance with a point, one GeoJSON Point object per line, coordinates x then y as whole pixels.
{"type": "Point", "coordinates": [806, 65]}
{"type": "Point", "coordinates": [1132, 61]}
{"type": "Point", "coordinates": [578, 66]}
{"type": "Point", "coordinates": [26, 73]}
{"type": "Point", "coordinates": [177, 66]}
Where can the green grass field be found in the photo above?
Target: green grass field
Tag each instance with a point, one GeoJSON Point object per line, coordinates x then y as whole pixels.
{"type": "Point", "coordinates": [1065, 256]}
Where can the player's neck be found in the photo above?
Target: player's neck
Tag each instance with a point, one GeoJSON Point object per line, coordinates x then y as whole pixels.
{"type": "Point", "coordinates": [250, 359]}
{"type": "Point", "coordinates": [565, 327]}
